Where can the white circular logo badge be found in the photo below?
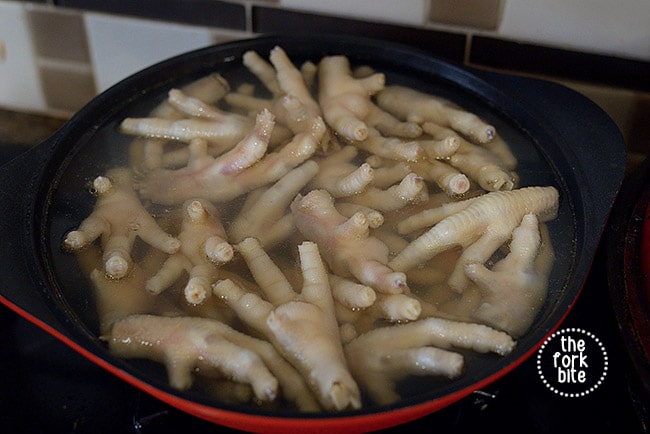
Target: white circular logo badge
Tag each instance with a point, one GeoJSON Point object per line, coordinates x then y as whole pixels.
{"type": "Point", "coordinates": [572, 362]}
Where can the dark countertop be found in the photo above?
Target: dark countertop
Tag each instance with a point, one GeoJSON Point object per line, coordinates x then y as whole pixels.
{"type": "Point", "coordinates": [25, 129]}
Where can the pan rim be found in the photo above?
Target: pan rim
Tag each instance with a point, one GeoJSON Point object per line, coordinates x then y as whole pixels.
{"type": "Point", "coordinates": [40, 228]}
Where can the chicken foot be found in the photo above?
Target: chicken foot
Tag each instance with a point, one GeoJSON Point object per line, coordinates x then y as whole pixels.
{"type": "Point", "coordinates": [291, 101]}
{"type": "Point", "coordinates": [478, 163]}
{"type": "Point", "coordinates": [381, 357]}
{"type": "Point", "coordinates": [339, 176]}
{"type": "Point", "coordinates": [516, 286]}
{"type": "Point", "coordinates": [410, 190]}
{"type": "Point", "coordinates": [203, 248]}
{"type": "Point", "coordinates": [480, 226]}
{"type": "Point", "coordinates": [118, 218]}
{"type": "Point", "coordinates": [187, 344]}
{"type": "Point", "coordinates": [419, 107]}
{"type": "Point", "coordinates": [301, 326]}
{"type": "Point", "coordinates": [394, 148]}
{"type": "Point", "coordinates": [264, 214]}
{"type": "Point", "coordinates": [447, 178]}
{"type": "Point", "coordinates": [239, 171]}
{"type": "Point", "coordinates": [203, 171]}
{"type": "Point", "coordinates": [147, 153]}
{"type": "Point", "coordinates": [346, 243]}
{"type": "Point", "coordinates": [345, 100]}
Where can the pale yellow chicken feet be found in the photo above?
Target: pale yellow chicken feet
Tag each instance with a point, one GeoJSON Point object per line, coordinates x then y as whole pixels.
{"type": "Point", "coordinates": [346, 243]}
{"type": "Point", "coordinates": [478, 163]}
{"type": "Point", "coordinates": [291, 99]}
{"type": "Point", "coordinates": [264, 214]}
{"type": "Point", "coordinates": [147, 153]}
{"type": "Point", "coordinates": [410, 190]}
{"type": "Point", "coordinates": [186, 345]}
{"type": "Point", "coordinates": [345, 100]}
{"type": "Point", "coordinates": [239, 171]}
{"type": "Point", "coordinates": [419, 107]}
{"type": "Point", "coordinates": [339, 176]}
{"type": "Point", "coordinates": [479, 225]}
{"type": "Point", "coordinates": [382, 357]}
{"type": "Point", "coordinates": [204, 247]}
{"type": "Point", "coordinates": [516, 287]}
{"type": "Point", "coordinates": [204, 172]}
{"type": "Point", "coordinates": [301, 325]}
{"type": "Point", "coordinates": [118, 218]}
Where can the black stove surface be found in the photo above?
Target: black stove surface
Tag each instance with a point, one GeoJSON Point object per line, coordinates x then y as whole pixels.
{"type": "Point", "coordinates": [49, 388]}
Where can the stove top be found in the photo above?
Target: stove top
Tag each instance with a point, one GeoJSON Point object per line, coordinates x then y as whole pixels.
{"type": "Point", "coordinates": [49, 388]}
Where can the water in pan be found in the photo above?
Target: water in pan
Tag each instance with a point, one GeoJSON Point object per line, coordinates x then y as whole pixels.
{"type": "Point", "coordinates": [104, 148]}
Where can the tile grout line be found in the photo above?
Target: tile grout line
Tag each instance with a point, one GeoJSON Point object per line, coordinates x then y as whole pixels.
{"type": "Point", "coordinates": [468, 48]}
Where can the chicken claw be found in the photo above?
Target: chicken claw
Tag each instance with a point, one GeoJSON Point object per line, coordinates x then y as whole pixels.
{"type": "Point", "coordinates": [383, 356]}
{"type": "Point", "coordinates": [480, 225]}
{"type": "Point", "coordinates": [476, 162]}
{"type": "Point", "coordinates": [189, 344]}
{"type": "Point", "coordinates": [118, 217]}
{"type": "Point", "coordinates": [346, 244]}
{"type": "Point", "coordinates": [409, 191]}
{"type": "Point", "coordinates": [345, 99]}
{"type": "Point", "coordinates": [263, 215]}
{"type": "Point", "coordinates": [339, 176]}
{"type": "Point", "coordinates": [203, 247]}
{"type": "Point", "coordinates": [204, 175]}
{"type": "Point", "coordinates": [415, 106]}
{"type": "Point", "coordinates": [515, 288]}
{"type": "Point", "coordinates": [301, 326]}
{"type": "Point", "coordinates": [292, 101]}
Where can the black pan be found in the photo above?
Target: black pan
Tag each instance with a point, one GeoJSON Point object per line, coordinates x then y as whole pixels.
{"type": "Point", "coordinates": [560, 138]}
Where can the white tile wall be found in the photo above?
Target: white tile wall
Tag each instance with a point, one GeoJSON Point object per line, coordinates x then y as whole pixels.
{"type": "Point", "coordinates": [411, 12]}
{"type": "Point", "coordinates": [20, 87]}
{"type": "Point", "coordinates": [620, 28]}
{"type": "Point", "coordinates": [121, 46]}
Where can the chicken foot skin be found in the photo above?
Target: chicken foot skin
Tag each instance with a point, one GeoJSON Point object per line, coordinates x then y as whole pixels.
{"type": "Point", "coordinates": [236, 172]}
{"type": "Point", "coordinates": [481, 227]}
{"type": "Point", "coordinates": [343, 179]}
{"type": "Point", "coordinates": [409, 191]}
{"type": "Point", "coordinates": [345, 243]}
{"type": "Point", "coordinates": [383, 356]}
{"type": "Point", "coordinates": [174, 186]}
{"type": "Point", "coordinates": [516, 286]}
{"type": "Point", "coordinates": [147, 153]}
{"type": "Point", "coordinates": [264, 215]}
{"type": "Point", "coordinates": [118, 218]}
{"type": "Point", "coordinates": [184, 344]}
{"type": "Point", "coordinates": [339, 175]}
{"type": "Point", "coordinates": [415, 106]}
{"type": "Point", "coordinates": [303, 328]}
{"type": "Point", "coordinates": [476, 162]}
{"type": "Point", "coordinates": [204, 247]}
{"type": "Point", "coordinates": [292, 101]}
{"type": "Point", "coordinates": [345, 100]}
